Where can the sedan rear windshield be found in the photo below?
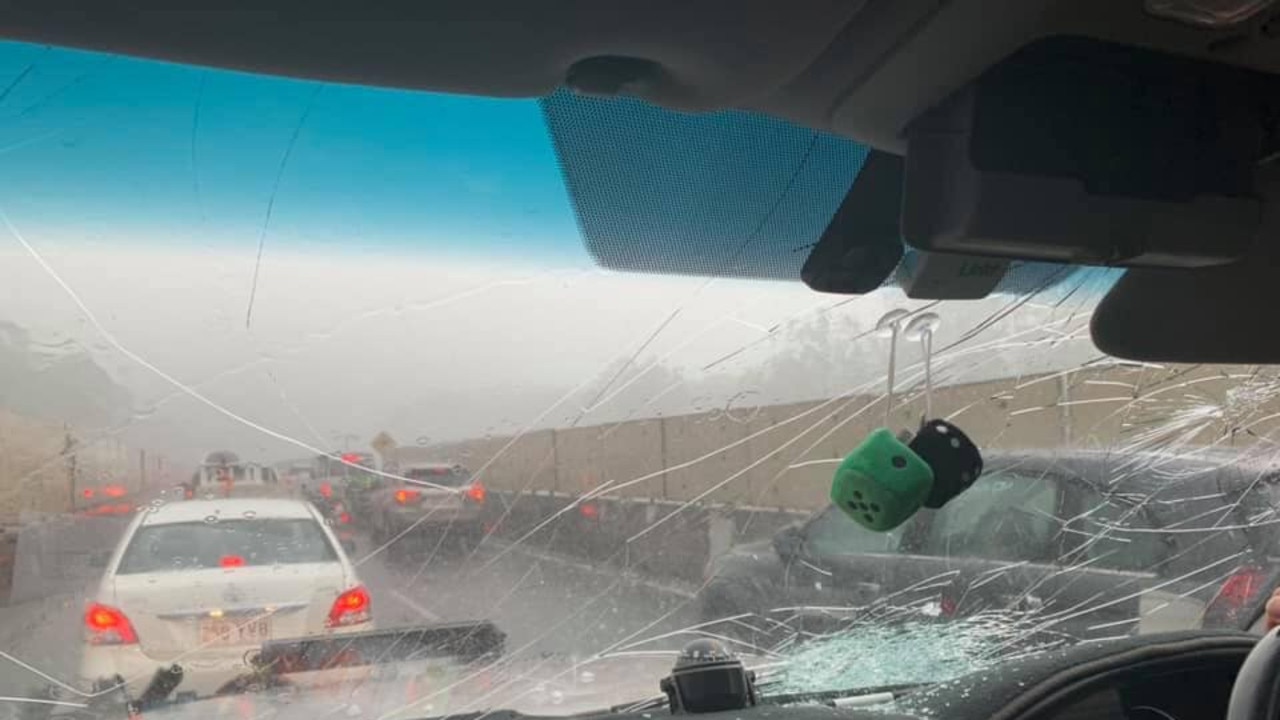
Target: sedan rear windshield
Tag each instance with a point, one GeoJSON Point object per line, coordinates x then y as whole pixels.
{"type": "Point", "coordinates": [226, 543]}
{"type": "Point", "coordinates": [447, 476]}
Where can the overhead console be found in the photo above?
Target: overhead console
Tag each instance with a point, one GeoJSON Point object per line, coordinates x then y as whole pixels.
{"type": "Point", "coordinates": [1079, 151]}
{"type": "Point", "coordinates": [1074, 150]}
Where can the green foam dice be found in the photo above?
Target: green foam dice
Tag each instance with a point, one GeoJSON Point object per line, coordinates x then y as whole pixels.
{"type": "Point", "coordinates": [881, 483]}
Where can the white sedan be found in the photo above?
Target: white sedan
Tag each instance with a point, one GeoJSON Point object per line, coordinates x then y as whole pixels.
{"type": "Point", "coordinates": [201, 583]}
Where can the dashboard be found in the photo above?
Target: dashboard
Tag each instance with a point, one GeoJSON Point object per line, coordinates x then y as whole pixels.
{"type": "Point", "coordinates": [1193, 693]}
{"type": "Point", "coordinates": [1167, 676]}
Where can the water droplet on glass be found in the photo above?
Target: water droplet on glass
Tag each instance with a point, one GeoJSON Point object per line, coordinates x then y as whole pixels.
{"type": "Point", "coordinates": [250, 514]}
{"type": "Point", "coordinates": [587, 676]}
{"type": "Point", "coordinates": [211, 519]}
{"type": "Point", "coordinates": [557, 697]}
{"type": "Point", "coordinates": [157, 503]}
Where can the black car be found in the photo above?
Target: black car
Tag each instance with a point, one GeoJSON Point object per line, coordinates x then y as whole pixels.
{"type": "Point", "coordinates": [1078, 543]}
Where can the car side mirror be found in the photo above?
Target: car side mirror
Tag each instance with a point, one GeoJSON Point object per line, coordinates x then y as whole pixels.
{"type": "Point", "coordinates": [788, 542]}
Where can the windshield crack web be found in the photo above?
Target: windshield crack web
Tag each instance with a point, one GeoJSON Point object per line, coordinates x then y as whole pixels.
{"type": "Point", "coordinates": [674, 485]}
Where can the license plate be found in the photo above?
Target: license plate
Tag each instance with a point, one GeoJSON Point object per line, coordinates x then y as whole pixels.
{"type": "Point", "coordinates": [235, 631]}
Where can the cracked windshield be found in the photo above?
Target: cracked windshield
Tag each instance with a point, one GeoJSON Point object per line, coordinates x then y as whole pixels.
{"type": "Point", "coordinates": [327, 400]}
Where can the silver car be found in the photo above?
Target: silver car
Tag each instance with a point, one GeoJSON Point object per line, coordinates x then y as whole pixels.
{"type": "Point", "coordinates": [436, 504]}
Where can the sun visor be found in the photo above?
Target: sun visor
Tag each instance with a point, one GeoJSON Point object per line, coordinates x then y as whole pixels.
{"type": "Point", "coordinates": [1210, 315]}
{"type": "Point", "coordinates": [725, 194]}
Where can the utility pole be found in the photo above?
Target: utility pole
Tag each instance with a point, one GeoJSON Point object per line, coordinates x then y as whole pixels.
{"type": "Point", "coordinates": [68, 445]}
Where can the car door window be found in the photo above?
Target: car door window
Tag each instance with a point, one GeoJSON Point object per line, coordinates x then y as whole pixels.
{"type": "Point", "coordinates": [1119, 534]}
{"type": "Point", "coordinates": [833, 534]}
{"type": "Point", "coordinates": [1003, 516]}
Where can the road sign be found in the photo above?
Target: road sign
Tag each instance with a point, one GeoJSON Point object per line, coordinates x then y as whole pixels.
{"type": "Point", "coordinates": [383, 443]}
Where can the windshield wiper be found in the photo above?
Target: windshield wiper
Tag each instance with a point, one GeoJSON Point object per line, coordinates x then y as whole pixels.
{"type": "Point", "coordinates": [844, 698]}
{"type": "Point", "coordinates": [464, 641]}
{"type": "Point", "coordinates": [853, 697]}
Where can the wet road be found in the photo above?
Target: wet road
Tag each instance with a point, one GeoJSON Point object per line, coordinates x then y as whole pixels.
{"type": "Point", "coordinates": [545, 605]}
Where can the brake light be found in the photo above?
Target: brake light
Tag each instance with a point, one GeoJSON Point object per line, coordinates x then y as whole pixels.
{"type": "Point", "coordinates": [326, 490]}
{"type": "Point", "coordinates": [404, 496]}
{"type": "Point", "coordinates": [114, 491]}
{"type": "Point", "coordinates": [476, 493]}
{"type": "Point", "coordinates": [947, 606]}
{"type": "Point", "coordinates": [105, 625]}
{"type": "Point", "coordinates": [344, 518]}
{"type": "Point", "coordinates": [87, 493]}
{"type": "Point", "coordinates": [590, 511]}
{"type": "Point", "coordinates": [351, 608]}
{"type": "Point", "coordinates": [231, 561]}
{"type": "Point", "coordinates": [1238, 594]}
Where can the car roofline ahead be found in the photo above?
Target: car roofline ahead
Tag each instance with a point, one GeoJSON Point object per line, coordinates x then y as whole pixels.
{"type": "Point", "coordinates": [194, 510]}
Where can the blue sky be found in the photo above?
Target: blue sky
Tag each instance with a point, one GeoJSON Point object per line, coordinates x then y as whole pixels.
{"type": "Point", "coordinates": [171, 152]}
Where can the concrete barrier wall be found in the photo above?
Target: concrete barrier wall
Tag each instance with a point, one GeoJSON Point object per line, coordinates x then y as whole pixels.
{"type": "Point", "coordinates": [668, 494]}
{"type": "Point", "coordinates": [780, 455]}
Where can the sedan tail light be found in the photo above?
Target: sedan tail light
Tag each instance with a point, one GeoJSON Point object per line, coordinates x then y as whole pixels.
{"type": "Point", "coordinates": [1238, 594]}
{"type": "Point", "coordinates": [351, 608]}
{"type": "Point", "coordinates": [405, 496]}
{"type": "Point", "coordinates": [105, 625]}
{"type": "Point", "coordinates": [476, 493]}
